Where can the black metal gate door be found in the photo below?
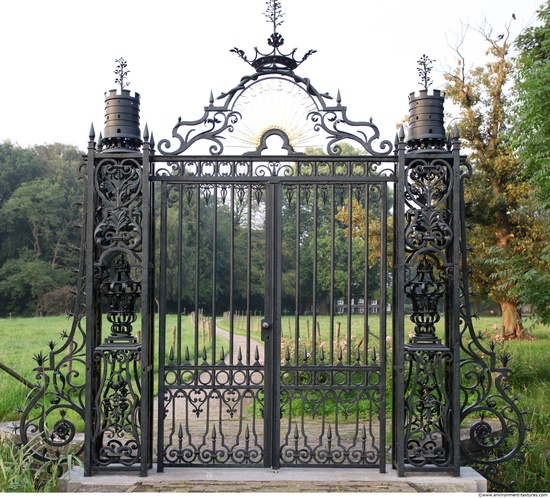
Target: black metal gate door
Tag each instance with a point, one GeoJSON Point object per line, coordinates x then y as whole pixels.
{"type": "Point", "coordinates": [272, 316]}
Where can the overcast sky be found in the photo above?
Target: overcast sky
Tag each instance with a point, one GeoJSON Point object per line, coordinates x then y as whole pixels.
{"type": "Point", "coordinates": [58, 56]}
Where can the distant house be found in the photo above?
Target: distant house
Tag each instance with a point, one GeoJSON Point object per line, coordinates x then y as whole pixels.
{"type": "Point", "coordinates": [358, 308]}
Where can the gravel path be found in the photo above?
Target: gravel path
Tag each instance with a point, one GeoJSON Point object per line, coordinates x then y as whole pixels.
{"type": "Point", "coordinates": [239, 341]}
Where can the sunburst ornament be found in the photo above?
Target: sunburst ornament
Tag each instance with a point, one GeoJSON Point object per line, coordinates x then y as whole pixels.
{"type": "Point", "coordinates": [274, 103]}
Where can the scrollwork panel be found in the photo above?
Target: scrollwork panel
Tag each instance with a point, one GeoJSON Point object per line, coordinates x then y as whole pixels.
{"type": "Point", "coordinates": [205, 425]}
{"type": "Point", "coordinates": [428, 421]}
{"type": "Point", "coordinates": [117, 431]}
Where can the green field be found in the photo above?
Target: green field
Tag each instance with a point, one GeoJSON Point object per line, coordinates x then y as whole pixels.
{"type": "Point", "coordinates": [22, 338]}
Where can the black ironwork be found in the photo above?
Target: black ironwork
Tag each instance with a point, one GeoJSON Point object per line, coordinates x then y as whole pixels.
{"type": "Point", "coordinates": [54, 412]}
{"type": "Point", "coordinates": [425, 292]}
{"type": "Point", "coordinates": [116, 422]}
{"type": "Point", "coordinates": [121, 73]}
{"type": "Point", "coordinates": [122, 291]}
{"type": "Point", "coordinates": [274, 61]}
{"type": "Point", "coordinates": [119, 387]}
{"type": "Point", "coordinates": [425, 66]}
{"type": "Point", "coordinates": [430, 273]}
{"type": "Point", "coordinates": [218, 120]}
{"type": "Point", "coordinates": [267, 263]}
{"type": "Point", "coordinates": [326, 385]}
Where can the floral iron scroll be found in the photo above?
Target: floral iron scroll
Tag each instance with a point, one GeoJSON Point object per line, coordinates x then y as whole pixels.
{"type": "Point", "coordinates": [497, 431]}
{"type": "Point", "coordinates": [54, 413]}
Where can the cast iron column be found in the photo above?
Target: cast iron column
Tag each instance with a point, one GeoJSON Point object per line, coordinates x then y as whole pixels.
{"type": "Point", "coordinates": [118, 415]}
{"type": "Point", "coordinates": [427, 436]}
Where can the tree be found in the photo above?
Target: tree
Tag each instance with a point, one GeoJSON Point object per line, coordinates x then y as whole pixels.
{"type": "Point", "coordinates": [502, 208]}
{"type": "Point", "coordinates": [39, 193]}
{"type": "Point", "coordinates": [532, 133]}
{"type": "Point", "coordinates": [533, 87]}
{"type": "Point", "coordinates": [17, 165]}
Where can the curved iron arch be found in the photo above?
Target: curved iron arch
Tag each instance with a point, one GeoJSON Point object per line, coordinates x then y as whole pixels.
{"type": "Point", "coordinates": [332, 120]}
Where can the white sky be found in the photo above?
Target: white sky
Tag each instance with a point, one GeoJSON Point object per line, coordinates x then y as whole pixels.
{"type": "Point", "coordinates": [58, 56]}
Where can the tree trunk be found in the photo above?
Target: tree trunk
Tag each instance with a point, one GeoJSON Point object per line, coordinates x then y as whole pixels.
{"type": "Point", "coordinates": [511, 325]}
{"type": "Point", "coordinates": [323, 306]}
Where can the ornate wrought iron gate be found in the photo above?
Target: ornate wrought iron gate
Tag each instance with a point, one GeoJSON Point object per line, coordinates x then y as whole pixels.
{"type": "Point", "coordinates": [274, 274]}
{"type": "Point", "coordinates": [257, 239]}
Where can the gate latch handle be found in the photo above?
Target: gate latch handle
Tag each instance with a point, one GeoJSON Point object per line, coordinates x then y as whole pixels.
{"type": "Point", "coordinates": [266, 326]}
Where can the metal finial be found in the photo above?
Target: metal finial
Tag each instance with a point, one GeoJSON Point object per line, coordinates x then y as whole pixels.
{"type": "Point", "coordinates": [425, 65]}
{"type": "Point", "coordinates": [121, 73]}
{"type": "Point", "coordinates": [401, 134]}
{"type": "Point", "coordinates": [274, 13]}
{"type": "Point", "coordinates": [275, 60]}
{"type": "Point", "coordinates": [456, 133]}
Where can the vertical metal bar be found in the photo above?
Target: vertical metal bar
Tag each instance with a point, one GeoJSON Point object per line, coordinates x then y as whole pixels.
{"type": "Point", "coordinates": [146, 317]}
{"type": "Point", "coordinates": [272, 335]}
{"type": "Point", "coordinates": [232, 273]}
{"type": "Point", "coordinates": [454, 332]}
{"type": "Point", "coordinates": [332, 272]}
{"type": "Point", "coordinates": [197, 271]}
{"type": "Point", "coordinates": [180, 273]}
{"type": "Point", "coordinates": [267, 331]}
{"type": "Point", "coordinates": [248, 270]}
{"type": "Point", "coordinates": [366, 287]}
{"type": "Point", "coordinates": [314, 290]}
{"type": "Point", "coordinates": [152, 291]}
{"type": "Point", "coordinates": [162, 321]}
{"type": "Point", "coordinates": [398, 411]}
{"type": "Point", "coordinates": [232, 247]}
{"type": "Point", "coordinates": [276, 340]}
{"type": "Point", "coordinates": [383, 319]}
{"type": "Point", "coordinates": [349, 269]}
{"type": "Point", "coordinates": [215, 275]}
{"type": "Point", "coordinates": [297, 277]}
{"type": "Point", "coordinates": [91, 318]}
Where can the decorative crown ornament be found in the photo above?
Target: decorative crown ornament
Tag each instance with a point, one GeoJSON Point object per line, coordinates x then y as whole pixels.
{"type": "Point", "coordinates": [275, 60]}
